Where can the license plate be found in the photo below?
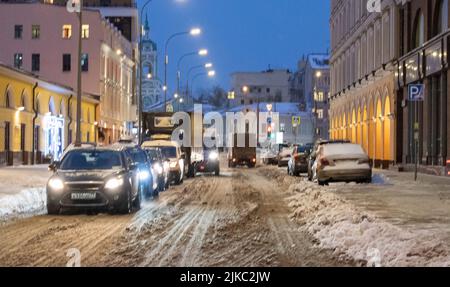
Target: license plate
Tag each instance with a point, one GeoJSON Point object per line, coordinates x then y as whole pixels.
{"type": "Point", "coordinates": [84, 196]}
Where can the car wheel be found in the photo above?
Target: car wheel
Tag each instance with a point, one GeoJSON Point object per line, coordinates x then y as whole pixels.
{"type": "Point", "coordinates": [53, 209]}
{"type": "Point", "coordinates": [322, 183]}
{"type": "Point", "coordinates": [126, 206]}
{"type": "Point", "coordinates": [138, 200]}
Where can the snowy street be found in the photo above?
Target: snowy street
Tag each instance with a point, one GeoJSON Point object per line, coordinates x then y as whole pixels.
{"type": "Point", "coordinates": [259, 217]}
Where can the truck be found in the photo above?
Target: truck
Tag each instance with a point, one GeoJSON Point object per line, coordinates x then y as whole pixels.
{"type": "Point", "coordinates": [242, 155]}
{"type": "Point", "coordinates": [160, 126]}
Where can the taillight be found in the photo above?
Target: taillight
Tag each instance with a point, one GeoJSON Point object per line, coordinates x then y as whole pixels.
{"type": "Point", "coordinates": [254, 160]}
{"type": "Point", "coordinates": [324, 162]}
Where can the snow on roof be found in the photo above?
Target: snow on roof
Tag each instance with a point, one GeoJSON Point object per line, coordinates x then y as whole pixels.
{"type": "Point", "coordinates": [319, 61]}
{"type": "Point", "coordinates": [281, 108]}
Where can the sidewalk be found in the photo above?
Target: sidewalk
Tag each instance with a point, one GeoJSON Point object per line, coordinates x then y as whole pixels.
{"type": "Point", "coordinates": [22, 190]}
{"type": "Point", "coordinates": [395, 197]}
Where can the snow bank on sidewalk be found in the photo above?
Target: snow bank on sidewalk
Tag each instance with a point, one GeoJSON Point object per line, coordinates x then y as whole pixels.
{"type": "Point", "coordinates": [27, 202]}
{"type": "Point", "coordinates": [340, 226]}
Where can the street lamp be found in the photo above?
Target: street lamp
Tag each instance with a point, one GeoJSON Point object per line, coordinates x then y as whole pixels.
{"type": "Point", "coordinates": [318, 75]}
{"type": "Point", "coordinates": [210, 74]}
{"type": "Point", "coordinates": [193, 32]}
{"type": "Point", "coordinates": [201, 53]}
{"type": "Point", "coordinates": [140, 73]}
{"type": "Point", "coordinates": [205, 66]}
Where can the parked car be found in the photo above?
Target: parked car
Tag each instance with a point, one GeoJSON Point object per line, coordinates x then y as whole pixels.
{"type": "Point", "coordinates": [94, 178]}
{"type": "Point", "coordinates": [342, 162]}
{"type": "Point", "coordinates": [313, 153]}
{"type": "Point", "coordinates": [172, 152]}
{"type": "Point", "coordinates": [298, 163]}
{"type": "Point", "coordinates": [210, 162]}
{"type": "Point", "coordinates": [284, 155]}
{"type": "Point", "coordinates": [148, 178]}
{"type": "Point", "coordinates": [161, 167]}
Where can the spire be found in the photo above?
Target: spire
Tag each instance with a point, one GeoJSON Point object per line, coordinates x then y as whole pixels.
{"type": "Point", "coordinates": [146, 27]}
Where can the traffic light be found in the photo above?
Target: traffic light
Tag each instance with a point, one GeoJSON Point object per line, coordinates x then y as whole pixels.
{"type": "Point", "coordinates": [269, 131]}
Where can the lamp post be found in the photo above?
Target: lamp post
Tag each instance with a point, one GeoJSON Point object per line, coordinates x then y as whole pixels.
{"type": "Point", "coordinates": [140, 110]}
{"type": "Point", "coordinates": [317, 76]}
{"type": "Point", "coordinates": [79, 78]}
{"type": "Point", "coordinates": [210, 74]}
{"type": "Point", "coordinates": [206, 66]}
{"type": "Point", "coordinates": [192, 32]}
{"type": "Point", "coordinates": [202, 53]}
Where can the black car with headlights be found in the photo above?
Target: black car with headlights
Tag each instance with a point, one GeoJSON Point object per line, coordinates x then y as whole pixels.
{"type": "Point", "coordinates": [94, 178]}
{"type": "Point", "coordinates": [161, 167]}
{"type": "Point", "coordinates": [210, 162]}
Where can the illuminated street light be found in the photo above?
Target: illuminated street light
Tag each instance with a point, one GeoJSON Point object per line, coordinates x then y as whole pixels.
{"type": "Point", "coordinates": [119, 52]}
{"type": "Point", "coordinates": [318, 74]}
{"type": "Point", "coordinates": [211, 73]}
{"type": "Point", "coordinates": [195, 31]}
{"type": "Point", "coordinates": [208, 65]}
{"type": "Point", "coordinates": [203, 52]}
{"type": "Point", "coordinates": [245, 89]}
{"type": "Point", "coordinates": [149, 76]}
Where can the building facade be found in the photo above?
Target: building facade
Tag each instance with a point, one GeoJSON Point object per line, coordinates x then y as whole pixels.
{"type": "Point", "coordinates": [423, 128]}
{"type": "Point", "coordinates": [151, 84]}
{"type": "Point", "coordinates": [363, 84]}
{"type": "Point", "coordinates": [37, 117]}
{"type": "Point", "coordinates": [267, 86]}
{"type": "Point", "coordinates": [49, 50]}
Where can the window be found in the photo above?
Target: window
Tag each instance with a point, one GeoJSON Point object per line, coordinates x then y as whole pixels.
{"type": "Point", "coordinates": [318, 96]}
{"type": "Point", "coordinates": [84, 62]}
{"type": "Point", "coordinates": [18, 60]}
{"type": "Point", "coordinates": [320, 114]}
{"type": "Point", "coordinates": [85, 32]}
{"type": "Point", "coordinates": [35, 31]}
{"type": "Point", "coordinates": [268, 90]}
{"type": "Point", "coordinates": [66, 63]}
{"type": "Point", "coordinates": [419, 30]}
{"type": "Point", "coordinates": [67, 31]}
{"type": "Point", "coordinates": [35, 62]}
{"type": "Point", "coordinates": [18, 30]}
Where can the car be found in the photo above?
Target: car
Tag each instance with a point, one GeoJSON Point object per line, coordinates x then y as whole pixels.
{"type": "Point", "coordinates": [94, 178]}
{"type": "Point", "coordinates": [148, 178]}
{"type": "Point", "coordinates": [269, 156]}
{"type": "Point", "coordinates": [313, 153]}
{"type": "Point", "coordinates": [342, 162]}
{"type": "Point", "coordinates": [210, 162]}
{"type": "Point", "coordinates": [298, 163]}
{"type": "Point", "coordinates": [284, 155]}
{"type": "Point", "coordinates": [172, 152]}
{"type": "Point", "coordinates": [160, 166]}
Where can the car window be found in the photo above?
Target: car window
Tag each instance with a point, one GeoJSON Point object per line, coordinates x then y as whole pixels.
{"type": "Point", "coordinates": [92, 160]}
{"type": "Point", "coordinates": [137, 155]}
{"type": "Point", "coordinates": [169, 152]}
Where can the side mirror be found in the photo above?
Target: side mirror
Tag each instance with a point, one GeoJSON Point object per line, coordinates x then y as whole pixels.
{"type": "Point", "coordinates": [54, 166]}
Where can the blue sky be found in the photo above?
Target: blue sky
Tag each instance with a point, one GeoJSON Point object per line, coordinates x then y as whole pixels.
{"type": "Point", "coordinates": [241, 35]}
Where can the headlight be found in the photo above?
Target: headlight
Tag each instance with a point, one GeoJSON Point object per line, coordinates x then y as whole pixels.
{"type": "Point", "coordinates": [144, 175]}
{"type": "Point", "coordinates": [56, 184]}
{"type": "Point", "coordinates": [173, 164]}
{"type": "Point", "coordinates": [114, 183]}
{"type": "Point", "coordinates": [158, 168]}
{"type": "Point", "coordinates": [213, 156]}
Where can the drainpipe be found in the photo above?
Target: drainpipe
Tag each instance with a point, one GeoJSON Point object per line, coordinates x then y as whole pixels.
{"type": "Point", "coordinates": [69, 114]}
{"type": "Point", "coordinates": [36, 113]}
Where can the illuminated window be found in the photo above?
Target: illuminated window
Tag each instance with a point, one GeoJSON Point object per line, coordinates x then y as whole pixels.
{"type": "Point", "coordinates": [18, 60]}
{"type": "Point", "coordinates": [67, 31]}
{"type": "Point", "coordinates": [320, 114]}
{"type": "Point", "coordinates": [318, 96]}
{"type": "Point", "coordinates": [35, 31]}
{"type": "Point", "coordinates": [85, 62]}
{"type": "Point", "coordinates": [85, 32]}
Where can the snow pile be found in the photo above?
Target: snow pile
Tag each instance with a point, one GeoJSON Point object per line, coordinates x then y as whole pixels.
{"type": "Point", "coordinates": [380, 179]}
{"type": "Point", "coordinates": [28, 201]}
{"type": "Point", "coordinates": [338, 225]}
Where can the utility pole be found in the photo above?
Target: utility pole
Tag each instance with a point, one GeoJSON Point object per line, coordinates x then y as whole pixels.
{"type": "Point", "coordinates": [79, 87]}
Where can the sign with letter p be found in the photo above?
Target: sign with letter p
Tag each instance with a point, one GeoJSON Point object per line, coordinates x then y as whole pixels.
{"type": "Point", "coordinates": [416, 92]}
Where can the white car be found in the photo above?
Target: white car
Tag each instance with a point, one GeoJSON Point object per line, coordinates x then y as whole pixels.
{"type": "Point", "coordinates": [342, 162]}
{"type": "Point", "coordinates": [171, 151]}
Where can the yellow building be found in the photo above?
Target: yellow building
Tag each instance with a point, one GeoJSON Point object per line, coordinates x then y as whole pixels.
{"type": "Point", "coordinates": [38, 118]}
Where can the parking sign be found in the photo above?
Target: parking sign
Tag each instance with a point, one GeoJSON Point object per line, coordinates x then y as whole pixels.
{"type": "Point", "coordinates": [416, 93]}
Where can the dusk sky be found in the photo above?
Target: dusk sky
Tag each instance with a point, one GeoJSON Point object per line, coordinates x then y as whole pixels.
{"type": "Point", "coordinates": [241, 35]}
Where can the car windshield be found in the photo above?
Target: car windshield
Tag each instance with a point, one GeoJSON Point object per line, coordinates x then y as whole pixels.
{"type": "Point", "coordinates": [302, 149]}
{"type": "Point", "coordinates": [91, 160]}
{"type": "Point", "coordinates": [152, 153]}
{"type": "Point", "coordinates": [169, 152]}
{"type": "Point", "coordinates": [137, 156]}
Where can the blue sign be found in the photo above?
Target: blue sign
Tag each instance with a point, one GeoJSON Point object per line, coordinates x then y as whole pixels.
{"type": "Point", "coordinates": [416, 93]}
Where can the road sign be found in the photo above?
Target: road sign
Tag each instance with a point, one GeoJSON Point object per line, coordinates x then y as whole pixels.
{"type": "Point", "coordinates": [416, 93]}
{"type": "Point", "coordinates": [296, 121]}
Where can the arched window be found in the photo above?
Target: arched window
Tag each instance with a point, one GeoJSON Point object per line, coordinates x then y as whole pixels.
{"type": "Point", "coordinates": [419, 30]}
{"type": "Point", "coordinates": [9, 100]}
{"type": "Point", "coordinates": [24, 101]}
{"type": "Point", "coordinates": [37, 105]}
{"type": "Point", "coordinates": [62, 108]}
{"type": "Point", "coordinates": [441, 17]}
